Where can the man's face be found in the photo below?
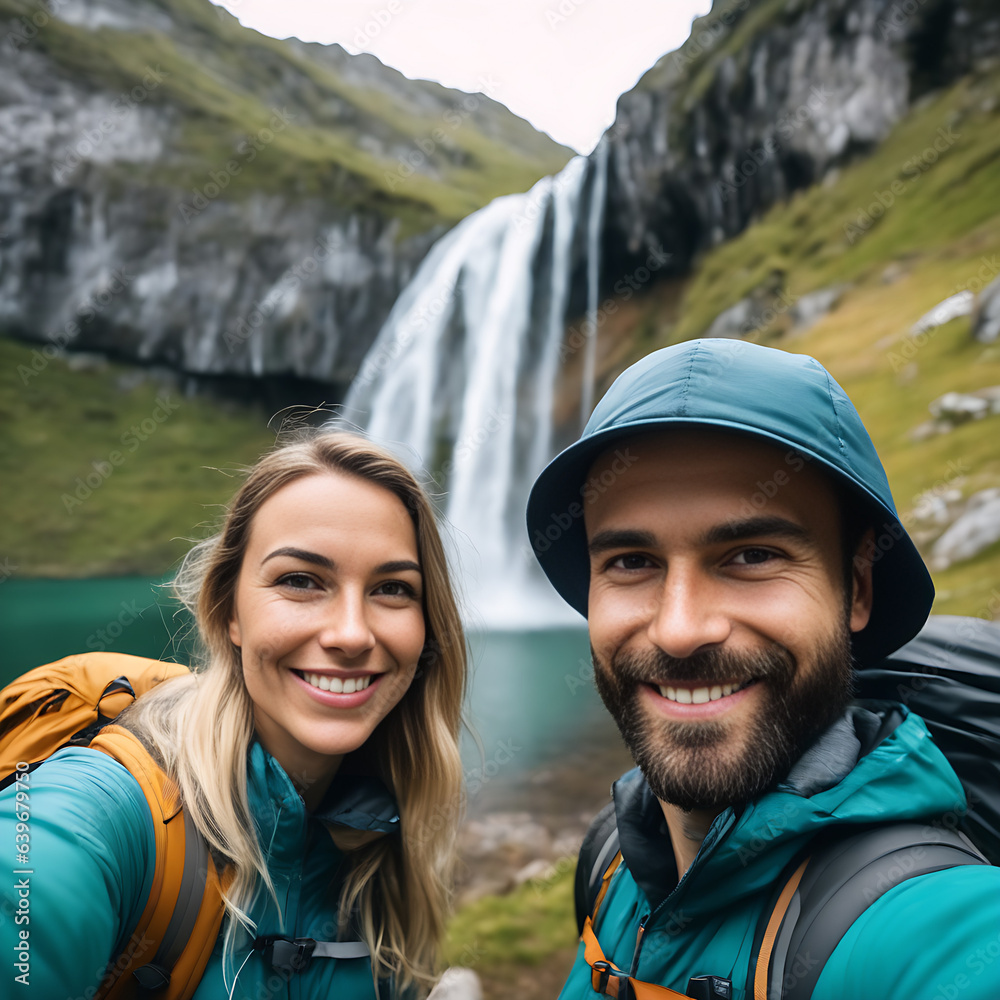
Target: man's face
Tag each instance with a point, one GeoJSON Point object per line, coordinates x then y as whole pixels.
{"type": "Point", "coordinates": [719, 625]}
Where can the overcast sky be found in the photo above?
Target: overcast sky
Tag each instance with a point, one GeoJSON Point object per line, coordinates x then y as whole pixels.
{"type": "Point", "coordinates": [559, 63]}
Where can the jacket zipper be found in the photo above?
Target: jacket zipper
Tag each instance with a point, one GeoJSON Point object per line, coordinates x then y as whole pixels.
{"type": "Point", "coordinates": [638, 945]}
{"type": "Point", "coordinates": [706, 849]}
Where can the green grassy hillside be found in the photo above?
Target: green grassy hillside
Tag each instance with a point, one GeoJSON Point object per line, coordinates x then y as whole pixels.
{"type": "Point", "coordinates": [156, 465]}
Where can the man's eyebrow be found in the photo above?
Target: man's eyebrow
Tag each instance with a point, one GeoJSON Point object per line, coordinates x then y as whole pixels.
{"type": "Point", "coordinates": [754, 527]}
{"type": "Point", "coordinates": [396, 566]}
{"type": "Point", "coordinates": [613, 538]}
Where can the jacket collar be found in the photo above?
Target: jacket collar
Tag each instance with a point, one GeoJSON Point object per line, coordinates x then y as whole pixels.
{"type": "Point", "coordinates": [875, 764]}
{"type": "Point", "coordinates": [359, 802]}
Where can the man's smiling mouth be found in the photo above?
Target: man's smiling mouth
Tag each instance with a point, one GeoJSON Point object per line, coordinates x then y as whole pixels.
{"type": "Point", "coordinates": [699, 695]}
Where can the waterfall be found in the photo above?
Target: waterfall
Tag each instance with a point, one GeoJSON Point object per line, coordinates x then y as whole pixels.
{"type": "Point", "coordinates": [462, 377]}
{"type": "Point", "coordinates": [595, 218]}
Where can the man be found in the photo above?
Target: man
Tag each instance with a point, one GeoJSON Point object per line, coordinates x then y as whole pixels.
{"type": "Point", "coordinates": [726, 526]}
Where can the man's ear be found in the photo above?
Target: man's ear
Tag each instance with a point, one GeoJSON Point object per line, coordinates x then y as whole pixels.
{"type": "Point", "coordinates": [862, 592]}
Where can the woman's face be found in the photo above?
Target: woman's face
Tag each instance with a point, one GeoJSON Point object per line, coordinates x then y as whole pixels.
{"type": "Point", "coordinates": [329, 619]}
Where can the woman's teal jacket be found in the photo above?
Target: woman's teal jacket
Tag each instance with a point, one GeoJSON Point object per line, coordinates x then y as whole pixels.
{"type": "Point", "coordinates": [91, 863]}
{"type": "Point", "coordinates": [935, 937]}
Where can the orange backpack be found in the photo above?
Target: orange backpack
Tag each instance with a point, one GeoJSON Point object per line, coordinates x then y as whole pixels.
{"type": "Point", "coordinates": [71, 703]}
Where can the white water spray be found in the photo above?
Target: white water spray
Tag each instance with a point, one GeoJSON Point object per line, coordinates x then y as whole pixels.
{"type": "Point", "coordinates": [463, 377]}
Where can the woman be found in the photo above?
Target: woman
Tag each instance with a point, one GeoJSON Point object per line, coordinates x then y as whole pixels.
{"type": "Point", "coordinates": [332, 682]}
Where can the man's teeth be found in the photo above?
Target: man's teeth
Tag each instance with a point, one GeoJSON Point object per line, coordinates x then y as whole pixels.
{"type": "Point", "coordinates": [699, 696]}
{"type": "Point", "coordinates": [336, 684]}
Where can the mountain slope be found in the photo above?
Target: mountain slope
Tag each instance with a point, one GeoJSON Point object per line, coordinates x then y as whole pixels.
{"type": "Point", "coordinates": [269, 198]}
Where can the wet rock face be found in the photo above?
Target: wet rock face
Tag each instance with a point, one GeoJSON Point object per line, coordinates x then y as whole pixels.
{"type": "Point", "coordinates": [163, 217]}
{"type": "Point", "coordinates": [711, 137]}
{"type": "Point", "coordinates": [262, 286]}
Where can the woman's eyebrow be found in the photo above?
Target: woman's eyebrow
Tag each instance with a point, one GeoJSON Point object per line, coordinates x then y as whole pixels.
{"type": "Point", "coordinates": [399, 566]}
{"type": "Point", "coordinates": [396, 566]}
{"type": "Point", "coordinates": [309, 557]}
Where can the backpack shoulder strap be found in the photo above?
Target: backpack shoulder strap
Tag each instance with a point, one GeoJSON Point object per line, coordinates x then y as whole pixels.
{"type": "Point", "coordinates": [600, 845]}
{"type": "Point", "coordinates": [176, 933]}
{"type": "Point", "coordinates": [838, 881]}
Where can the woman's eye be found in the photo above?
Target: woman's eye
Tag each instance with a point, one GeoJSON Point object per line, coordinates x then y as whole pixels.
{"type": "Point", "coordinates": [754, 557]}
{"type": "Point", "coordinates": [395, 588]}
{"type": "Point", "coordinates": [631, 561]}
{"type": "Point", "coordinates": [297, 581]}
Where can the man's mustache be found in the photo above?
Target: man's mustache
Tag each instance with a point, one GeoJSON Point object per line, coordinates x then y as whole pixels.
{"type": "Point", "coordinates": [713, 666]}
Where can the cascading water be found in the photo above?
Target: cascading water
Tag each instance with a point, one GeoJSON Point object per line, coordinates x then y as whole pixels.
{"type": "Point", "coordinates": [463, 376]}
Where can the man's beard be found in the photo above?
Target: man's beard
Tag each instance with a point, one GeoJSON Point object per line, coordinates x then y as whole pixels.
{"type": "Point", "coordinates": [714, 763]}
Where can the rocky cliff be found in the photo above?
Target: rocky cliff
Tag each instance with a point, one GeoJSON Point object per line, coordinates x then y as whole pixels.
{"type": "Point", "coordinates": [177, 189]}
{"type": "Point", "coordinates": [767, 97]}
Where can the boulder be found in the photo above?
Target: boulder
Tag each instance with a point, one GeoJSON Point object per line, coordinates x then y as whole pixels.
{"type": "Point", "coordinates": [960, 304]}
{"type": "Point", "coordinates": [457, 983]}
{"type": "Point", "coordinates": [957, 407]}
{"type": "Point", "coordinates": [734, 322]}
{"type": "Point", "coordinates": [813, 306]}
{"type": "Point", "coordinates": [975, 530]}
{"type": "Point", "coordinates": [986, 318]}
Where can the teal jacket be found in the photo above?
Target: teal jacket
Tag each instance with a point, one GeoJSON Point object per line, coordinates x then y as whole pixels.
{"type": "Point", "coordinates": [91, 858]}
{"type": "Point", "coordinates": [935, 937]}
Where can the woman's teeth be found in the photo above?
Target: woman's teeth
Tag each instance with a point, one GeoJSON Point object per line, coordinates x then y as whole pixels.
{"type": "Point", "coordinates": [336, 684]}
{"type": "Point", "coordinates": [699, 696]}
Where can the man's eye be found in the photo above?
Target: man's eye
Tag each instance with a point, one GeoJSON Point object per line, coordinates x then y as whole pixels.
{"type": "Point", "coordinates": [753, 557]}
{"type": "Point", "coordinates": [631, 561]}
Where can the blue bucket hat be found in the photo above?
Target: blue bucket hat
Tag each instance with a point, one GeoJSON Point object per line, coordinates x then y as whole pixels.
{"type": "Point", "coordinates": [788, 399]}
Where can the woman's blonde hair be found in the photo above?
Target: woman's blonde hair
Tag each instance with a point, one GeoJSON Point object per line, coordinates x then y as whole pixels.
{"type": "Point", "coordinates": [201, 726]}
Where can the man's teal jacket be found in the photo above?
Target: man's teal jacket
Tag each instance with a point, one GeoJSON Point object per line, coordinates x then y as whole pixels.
{"type": "Point", "coordinates": [91, 860]}
{"type": "Point", "coordinates": [934, 937]}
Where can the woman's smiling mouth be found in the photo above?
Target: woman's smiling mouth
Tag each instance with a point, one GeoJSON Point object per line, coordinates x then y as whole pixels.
{"type": "Point", "coordinates": [337, 685]}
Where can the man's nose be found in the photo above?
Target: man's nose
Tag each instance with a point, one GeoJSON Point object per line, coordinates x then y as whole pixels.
{"type": "Point", "coordinates": [688, 616]}
{"type": "Point", "coordinates": [345, 626]}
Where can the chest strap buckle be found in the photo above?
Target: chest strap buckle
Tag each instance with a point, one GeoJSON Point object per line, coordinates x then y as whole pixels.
{"type": "Point", "coordinates": [286, 955]}
{"type": "Point", "coordinates": [608, 980]}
